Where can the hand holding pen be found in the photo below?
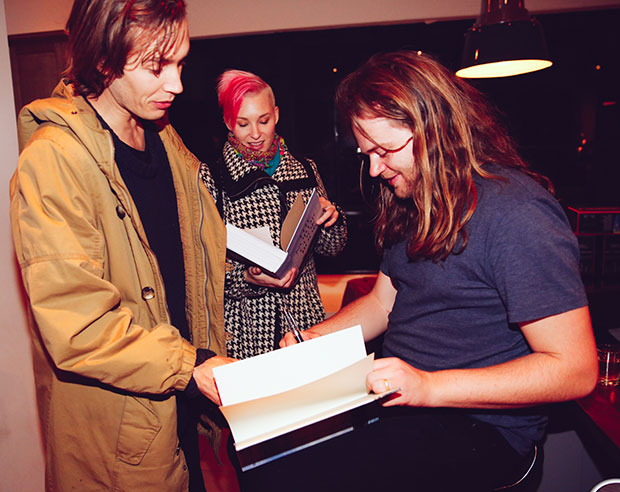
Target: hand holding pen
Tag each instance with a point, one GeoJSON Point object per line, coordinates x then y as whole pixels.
{"type": "Point", "coordinates": [292, 324]}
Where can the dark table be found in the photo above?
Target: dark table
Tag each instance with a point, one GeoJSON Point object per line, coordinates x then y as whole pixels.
{"type": "Point", "coordinates": [598, 425]}
{"type": "Point", "coordinates": [603, 408]}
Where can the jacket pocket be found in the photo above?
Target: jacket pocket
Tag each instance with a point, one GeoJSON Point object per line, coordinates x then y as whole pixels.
{"type": "Point", "coordinates": [139, 426]}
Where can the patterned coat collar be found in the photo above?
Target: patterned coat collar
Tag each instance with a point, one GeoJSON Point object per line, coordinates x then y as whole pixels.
{"type": "Point", "coordinates": [241, 177]}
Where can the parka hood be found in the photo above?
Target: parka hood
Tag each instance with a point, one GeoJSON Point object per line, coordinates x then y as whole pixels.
{"type": "Point", "coordinates": [65, 109]}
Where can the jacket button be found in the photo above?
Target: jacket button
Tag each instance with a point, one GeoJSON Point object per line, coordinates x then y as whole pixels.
{"type": "Point", "coordinates": [229, 336]}
{"type": "Point", "coordinates": [148, 293]}
{"type": "Point", "coordinates": [120, 211]}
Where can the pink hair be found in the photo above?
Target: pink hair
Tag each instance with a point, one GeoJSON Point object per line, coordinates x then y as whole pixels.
{"type": "Point", "coordinates": [232, 86]}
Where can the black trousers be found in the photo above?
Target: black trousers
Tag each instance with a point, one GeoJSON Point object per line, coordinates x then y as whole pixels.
{"type": "Point", "coordinates": [407, 449]}
{"type": "Point", "coordinates": [187, 431]}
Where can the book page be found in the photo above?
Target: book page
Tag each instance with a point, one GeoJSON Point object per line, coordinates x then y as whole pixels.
{"type": "Point", "coordinates": [255, 245]}
{"type": "Point", "coordinates": [262, 233]}
{"type": "Point", "coordinates": [257, 420]}
{"type": "Point", "coordinates": [289, 367]}
{"type": "Point", "coordinates": [304, 227]}
{"type": "Point", "coordinates": [302, 236]}
{"type": "Point", "coordinates": [254, 249]}
{"type": "Point", "coordinates": [292, 219]}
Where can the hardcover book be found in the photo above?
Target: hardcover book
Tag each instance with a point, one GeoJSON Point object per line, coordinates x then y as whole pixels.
{"type": "Point", "coordinates": [255, 245]}
{"type": "Point", "coordinates": [283, 401]}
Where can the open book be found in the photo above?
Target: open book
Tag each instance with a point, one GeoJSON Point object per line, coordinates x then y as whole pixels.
{"type": "Point", "coordinates": [282, 401]}
{"type": "Point", "coordinates": [256, 246]}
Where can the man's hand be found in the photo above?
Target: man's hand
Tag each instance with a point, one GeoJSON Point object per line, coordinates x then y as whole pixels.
{"type": "Point", "coordinates": [393, 373]}
{"type": "Point", "coordinates": [562, 367]}
{"type": "Point", "coordinates": [289, 338]}
{"type": "Point", "coordinates": [254, 275]}
{"type": "Point", "coordinates": [203, 375]}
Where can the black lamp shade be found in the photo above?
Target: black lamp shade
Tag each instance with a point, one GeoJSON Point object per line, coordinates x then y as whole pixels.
{"type": "Point", "coordinates": [504, 49]}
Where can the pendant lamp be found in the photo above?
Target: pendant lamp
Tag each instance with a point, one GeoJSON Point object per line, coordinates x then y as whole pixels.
{"type": "Point", "coordinates": [504, 41]}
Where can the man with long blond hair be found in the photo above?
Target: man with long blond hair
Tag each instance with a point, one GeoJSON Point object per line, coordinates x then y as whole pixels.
{"type": "Point", "coordinates": [479, 294]}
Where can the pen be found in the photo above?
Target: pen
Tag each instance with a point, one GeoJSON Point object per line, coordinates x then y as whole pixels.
{"type": "Point", "coordinates": [292, 325]}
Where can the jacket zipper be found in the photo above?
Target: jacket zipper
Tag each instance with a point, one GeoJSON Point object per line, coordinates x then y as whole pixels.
{"type": "Point", "coordinates": [204, 258]}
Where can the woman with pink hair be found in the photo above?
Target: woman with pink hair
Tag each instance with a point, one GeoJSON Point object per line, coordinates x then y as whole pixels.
{"type": "Point", "coordinates": [254, 184]}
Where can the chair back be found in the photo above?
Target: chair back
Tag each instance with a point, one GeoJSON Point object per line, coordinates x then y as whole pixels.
{"type": "Point", "coordinates": [531, 476]}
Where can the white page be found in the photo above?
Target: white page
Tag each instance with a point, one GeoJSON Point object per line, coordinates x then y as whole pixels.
{"type": "Point", "coordinates": [330, 412]}
{"type": "Point", "coordinates": [257, 420]}
{"type": "Point", "coordinates": [262, 233]}
{"type": "Point", "coordinates": [253, 248]}
{"type": "Point", "coordinates": [289, 367]}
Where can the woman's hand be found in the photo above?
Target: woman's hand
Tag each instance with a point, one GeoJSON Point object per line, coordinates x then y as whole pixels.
{"type": "Point", "coordinates": [393, 373]}
{"type": "Point", "coordinates": [254, 275]}
{"type": "Point", "coordinates": [330, 213]}
{"type": "Point", "coordinates": [289, 338]}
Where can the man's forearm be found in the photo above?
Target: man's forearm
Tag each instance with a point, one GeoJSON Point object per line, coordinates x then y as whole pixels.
{"type": "Point", "coordinates": [562, 367]}
{"type": "Point", "coordinates": [366, 311]}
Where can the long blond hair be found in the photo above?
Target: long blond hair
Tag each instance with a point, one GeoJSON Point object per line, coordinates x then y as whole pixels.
{"type": "Point", "coordinates": [455, 133]}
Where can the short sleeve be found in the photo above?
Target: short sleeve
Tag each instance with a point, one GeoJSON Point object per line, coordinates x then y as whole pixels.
{"type": "Point", "coordinates": [534, 261]}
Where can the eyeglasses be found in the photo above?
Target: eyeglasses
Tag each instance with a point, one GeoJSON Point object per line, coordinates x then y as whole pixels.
{"type": "Point", "coordinates": [381, 152]}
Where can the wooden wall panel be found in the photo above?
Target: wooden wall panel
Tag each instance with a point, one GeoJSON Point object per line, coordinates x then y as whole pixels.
{"type": "Point", "coordinates": [36, 64]}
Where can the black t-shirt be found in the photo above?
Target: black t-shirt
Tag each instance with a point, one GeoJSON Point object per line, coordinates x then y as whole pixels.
{"type": "Point", "coordinates": [148, 177]}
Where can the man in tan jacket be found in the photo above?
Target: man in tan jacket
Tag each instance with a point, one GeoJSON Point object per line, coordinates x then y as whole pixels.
{"type": "Point", "coordinates": [122, 256]}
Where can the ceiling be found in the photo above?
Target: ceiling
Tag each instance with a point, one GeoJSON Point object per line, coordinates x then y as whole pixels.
{"type": "Point", "coordinates": [210, 18]}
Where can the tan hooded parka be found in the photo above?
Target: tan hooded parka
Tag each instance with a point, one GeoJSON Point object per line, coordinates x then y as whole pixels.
{"type": "Point", "coordinates": [106, 359]}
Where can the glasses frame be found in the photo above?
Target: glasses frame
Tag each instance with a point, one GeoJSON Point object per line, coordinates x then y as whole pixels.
{"type": "Point", "coordinates": [365, 158]}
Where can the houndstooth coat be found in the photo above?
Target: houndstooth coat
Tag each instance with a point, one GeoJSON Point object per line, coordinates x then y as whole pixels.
{"type": "Point", "coordinates": [248, 198]}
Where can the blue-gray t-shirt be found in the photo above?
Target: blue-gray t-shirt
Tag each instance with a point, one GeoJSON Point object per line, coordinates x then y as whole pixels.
{"type": "Point", "coordinates": [521, 264]}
